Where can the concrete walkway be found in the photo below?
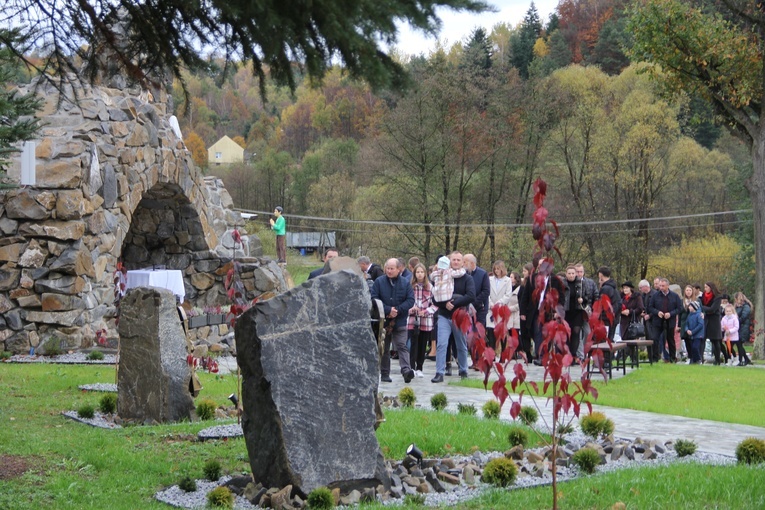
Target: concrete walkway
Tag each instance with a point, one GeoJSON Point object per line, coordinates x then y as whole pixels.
{"type": "Point", "coordinates": [710, 436]}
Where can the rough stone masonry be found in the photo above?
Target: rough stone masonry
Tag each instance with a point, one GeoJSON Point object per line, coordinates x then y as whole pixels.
{"type": "Point", "coordinates": [310, 366]}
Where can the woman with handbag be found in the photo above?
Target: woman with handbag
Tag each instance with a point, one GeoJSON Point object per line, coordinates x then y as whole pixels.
{"type": "Point", "coordinates": [631, 312]}
{"type": "Point", "coordinates": [711, 306]}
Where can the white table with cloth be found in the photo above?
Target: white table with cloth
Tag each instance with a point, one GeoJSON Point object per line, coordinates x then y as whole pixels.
{"type": "Point", "coordinates": [170, 279]}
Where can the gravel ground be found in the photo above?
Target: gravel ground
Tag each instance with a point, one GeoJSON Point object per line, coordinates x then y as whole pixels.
{"type": "Point", "coordinates": [221, 432]}
{"type": "Point", "coordinates": [75, 358]}
{"type": "Point", "coordinates": [99, 420]}
{"type": "Point", "coordinates": [176, 497]}
{"type": "Point", "coordinates": [105, 387]}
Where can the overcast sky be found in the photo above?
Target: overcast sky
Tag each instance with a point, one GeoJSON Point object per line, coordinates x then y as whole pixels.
{"type": "Point", "coordinates": [458, 25]}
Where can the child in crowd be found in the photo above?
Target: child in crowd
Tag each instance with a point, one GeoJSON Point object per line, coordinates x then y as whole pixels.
{"type": "Point", "coordinates": [420, 323]}
{"type": "Point", "coordinates": [694, 329]}
{"type": "Point", "coordinates": [730, 326]}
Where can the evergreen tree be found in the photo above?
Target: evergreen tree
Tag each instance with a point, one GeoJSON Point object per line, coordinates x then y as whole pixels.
{"type": "Point", "coordinates": [478, 52]}
{"type": "Point", "coordinates": [558, 55]}
{"type": "Point", "coordinates": [143, 40]}
{"type": "Point", "coordinates": [522, 42]}
{"type": "Point", "coordinates": [17, 121]}
{"type": "Point", "coordinates": [608, 52]}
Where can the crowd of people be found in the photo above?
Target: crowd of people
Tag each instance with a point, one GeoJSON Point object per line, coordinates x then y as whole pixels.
{"type": "Point", "coordinates": [419, 302]}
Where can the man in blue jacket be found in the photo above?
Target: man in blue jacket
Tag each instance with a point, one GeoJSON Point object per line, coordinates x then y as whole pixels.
{"type": "Point", "coordinates": [397, 298]}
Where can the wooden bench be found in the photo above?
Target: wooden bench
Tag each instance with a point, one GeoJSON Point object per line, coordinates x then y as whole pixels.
{"type": "Point", "coordinates": [608, 357]}
{"type": "Point", "coordinates": [633, 346]}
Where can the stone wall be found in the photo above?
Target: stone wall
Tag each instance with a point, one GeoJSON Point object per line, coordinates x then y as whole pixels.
{"type": "Point", "coordinates": [113, 182]}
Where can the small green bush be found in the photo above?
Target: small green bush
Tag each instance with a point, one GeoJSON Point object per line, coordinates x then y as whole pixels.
{"type": "Point", "coordinates": [187, 484]}
{"type": "Point", "coordinates": [220, 497]}
{"type": "Point", "coordinates": [468, 409]}
{"type": "Point", "coordinates": [86, 411]}
{"type": "Point", "coordinates": [596, 424]}
{"type": "Point", "coordinates": [491, 409]}
{"type": "Point", "coordinates": [95, 355]}
{"type": "Point", "coordinates": [414, 500]}
{"type": "Point", "coordinates": [685, 447]}
{"type": "Point", "coordinates": [517, 436]}
{"type": "Point", "coordinates": [5, 355]}
{"type": "Point", "coordinates": [564, 428]}
{"type": "Point", "coordinates": [751, 451]}
{"type": "Point", "coordinates": [206, 409]}
{"type": "Point", "coordinates": [407, 397]}
{"type": "Point", "coordinates": [500, 472]}
{"type": "Point", "coordinates": [587, 459]}
{"type": "Point", "coordinates": [529, 415]}
{"type": "Point", "coordinates": [438, 401]}
{"type": "Point", "coordinates": [321, 498]}
{"type": "Point", "coordinates": [212, 470]}
{"type": "Point", "coordinates": [108, 403]}
{"type": "Point", "coordinates": [52, 347]}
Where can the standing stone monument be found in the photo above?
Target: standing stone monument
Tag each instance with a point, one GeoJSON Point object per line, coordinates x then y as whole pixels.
{"type": "Point", "coordinates": [154, 376]}
{"type": "Point", "coordinates": [310, 372]}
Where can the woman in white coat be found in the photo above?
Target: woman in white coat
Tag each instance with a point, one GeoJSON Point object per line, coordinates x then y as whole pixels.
{"type": "Point", "coordinates": [501, 288]}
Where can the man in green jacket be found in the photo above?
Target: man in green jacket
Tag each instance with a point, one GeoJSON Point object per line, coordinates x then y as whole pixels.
{"type": "Point", "coordinates": [279, 226]}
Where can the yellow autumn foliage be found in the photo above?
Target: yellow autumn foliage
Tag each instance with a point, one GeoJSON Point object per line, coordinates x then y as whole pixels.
{"type": "Point", "coordinates": [696, 260]}
{"type": "Point", "coordinates": [540, 48]}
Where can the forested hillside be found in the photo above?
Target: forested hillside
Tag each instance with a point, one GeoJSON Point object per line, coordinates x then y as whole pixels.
{"type": "Point", "coordinates": [449, 163]}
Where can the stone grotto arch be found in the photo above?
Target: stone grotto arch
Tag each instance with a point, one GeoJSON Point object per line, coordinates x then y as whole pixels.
{"type": "Point", "coordinates": [113, 182]}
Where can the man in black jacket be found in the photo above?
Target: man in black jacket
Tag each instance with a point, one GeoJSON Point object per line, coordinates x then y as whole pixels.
{"type": "Point", "coordinates": [371, 270]}
{"type": "Point", "coordinates": [463, 296]}
{"type": "Point", "coordinates": [397, 298]}
{"type": "Point", "coordinates": [664, 307]}
{"type": "Point", "coordinates": [537, 287]}
{"type": "Point", "coordinates": [482, 287]}
{"type": "Point", "coordinates": [608, 287]}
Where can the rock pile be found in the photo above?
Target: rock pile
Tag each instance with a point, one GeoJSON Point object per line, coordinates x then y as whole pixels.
{"type": "Point", "coordinates": [446, 480]}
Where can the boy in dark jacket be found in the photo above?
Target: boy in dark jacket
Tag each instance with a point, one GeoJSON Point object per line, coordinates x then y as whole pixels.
{"type": "Point", "coordinates": [694, 329]}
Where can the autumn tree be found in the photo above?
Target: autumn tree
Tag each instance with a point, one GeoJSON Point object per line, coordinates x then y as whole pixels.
{"type": "Point", "coordinates": [196, 146]}
{"type": "Point", "coordinates": [716, 51]}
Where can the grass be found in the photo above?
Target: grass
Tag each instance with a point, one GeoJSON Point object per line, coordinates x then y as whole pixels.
{"type": "Point", "coordinates": [438, 433]}
{"type": "Point", "coordinates": [298, 266]}
{"type": "Point", "coordinates": [694, 391]}
{"type": "Point", "coordinates": [76, 466]}
{"type": "Point", "coordinates": [679, 486]}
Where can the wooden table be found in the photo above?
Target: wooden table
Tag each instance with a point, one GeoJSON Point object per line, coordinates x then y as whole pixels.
{"type": "Point", "coordinates": [633, 347]}
{"type": "Point", "coordinates": [608, 357]}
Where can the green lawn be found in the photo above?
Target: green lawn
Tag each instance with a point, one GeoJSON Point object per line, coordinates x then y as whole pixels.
{"type": "Point", "coordinates": [72, 465]}
{"type": "Point", "coordinates": [696, 391]}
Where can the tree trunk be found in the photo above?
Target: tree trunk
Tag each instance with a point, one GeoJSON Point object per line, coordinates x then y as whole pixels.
{"type": "Point", "coordinates": [756, 187]}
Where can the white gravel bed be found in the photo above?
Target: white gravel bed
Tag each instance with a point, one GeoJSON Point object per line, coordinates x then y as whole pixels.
{"type": "Point", "coordinates": [221, 432]}
{"type": "Point", "coordinates": [105, 387]}
{"type": "Point", "coordinates": [178, 498]}
{"type": "Point", "coordinates": [75, 358]}
{"type": "Point", "coordinates": [99, 420]}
